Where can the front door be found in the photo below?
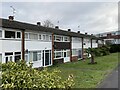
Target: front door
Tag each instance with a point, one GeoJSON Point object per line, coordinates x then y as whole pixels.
{"type": "Point", "coordinates": [46, 57]}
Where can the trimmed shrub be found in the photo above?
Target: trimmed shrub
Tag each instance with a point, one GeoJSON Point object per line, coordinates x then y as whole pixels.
{"type": "Point", "coordinates": [101, 51]}
{"type": "Point", "coordinates": [19, 75]}
{"type": "Point", "coordinates": [114, 48]}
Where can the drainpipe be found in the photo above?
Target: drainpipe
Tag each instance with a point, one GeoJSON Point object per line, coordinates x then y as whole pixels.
{"type": "Point", "coordinates": [82, 48]}
{"type": "Point", "coordinates": [91, 42]}
{"type": "Point", "coordinates": [52, 48]}
{"type": "Point", "coordinates": [23, 44]}
{"type": "Point", "coordinates": [70, 48]}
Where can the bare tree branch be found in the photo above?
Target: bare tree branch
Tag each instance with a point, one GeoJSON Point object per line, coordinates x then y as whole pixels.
{"type": "Point", "coordinates": [48, 23]}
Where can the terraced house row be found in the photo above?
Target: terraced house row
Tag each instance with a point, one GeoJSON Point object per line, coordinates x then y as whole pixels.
{"type": "Point", "coordinates": [41, 45]}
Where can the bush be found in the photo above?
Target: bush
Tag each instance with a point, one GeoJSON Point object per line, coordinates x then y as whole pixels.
{"type": "Point", "coordinates": [20, 75]}
{"type": "Point", "coordinates": [100, 51]}
{"type": "Point", "coordinates": [114, 48]}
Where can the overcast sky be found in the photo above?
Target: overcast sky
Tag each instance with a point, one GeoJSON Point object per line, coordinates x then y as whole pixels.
{"type": "Point", "coordinates": [92, 17]}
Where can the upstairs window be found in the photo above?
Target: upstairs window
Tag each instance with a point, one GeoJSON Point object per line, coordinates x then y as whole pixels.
{"type": "Point", "coordinates": [50, 38]}
{"type": "Point", "coordinates": [33, 36]}
{"type": "Point", "coordinates": [66, 39]}
{"type": "Point", "coordinates": [9, 34]}
{"type": "Point", "coordinates": [40, 37]}
{"type": "Point", "coordinates": [58, 38]}
{"type": "Point", "coordinates": [47, 37]}
{"type": "Point", "coordinates": [18, 34]}
{"type": "Point", "coordinates": [26, 35]}
{"type": "Point", "coordinates": [44, 37]}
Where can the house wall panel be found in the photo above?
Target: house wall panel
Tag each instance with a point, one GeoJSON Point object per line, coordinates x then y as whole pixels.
{"type": "Point", "coordinates": [0, 46]}
{"type": "Point", "coordinates": [11, 45]}
{"type": "Point", "coordinates": [38, 45]}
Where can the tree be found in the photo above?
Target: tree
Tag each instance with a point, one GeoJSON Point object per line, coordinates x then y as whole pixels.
{"type": "Point", "coordinates": [48, 23]}
{"type": "Point", "coordinates": [91, 51]}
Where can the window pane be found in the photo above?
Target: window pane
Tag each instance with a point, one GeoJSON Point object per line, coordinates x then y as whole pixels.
{"type": "Point", "coordinates": [30, 56]}
{"type": "Point", "coordinates": [34, 56]}
{"type": "Point", "coordinates": [0, 33]}
{"type": "Point", "coordinates": [66, 39]}
{"type": "Point", "coordinates": [40, 37]}
{"type": "Point", "coordinates": [18, 34]}
{"type": "Point", "coordinates": [44, 37]}
{"type": "Point", "coordinates": [50, 38]}
{"type": "Point", "coordinates": [33, 36]}
{"type": "Point", "coordinates": [58, 38]}
{"type": "Point", "coordinates": [64, 54]}
{"type": "Point", "coordinates": [68, 53]}
{"type": "Point", "coordinates": [47, 37]}
{"type": "Point", "coordinates": [58, 54]}
{"type": "Point", "coordinates": [26, 58]}
{"type": "Point", "coordinates": [39, 56]}
{"type": "Point", "coordinates": [9, 34]}
{"type": "Point", "coordinates": [26, 35]}
{"type": "Point", "coordinates": [10, 58]}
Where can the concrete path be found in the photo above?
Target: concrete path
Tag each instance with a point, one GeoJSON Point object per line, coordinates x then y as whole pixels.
{"type": "Point", "coordinates": [111, 81]}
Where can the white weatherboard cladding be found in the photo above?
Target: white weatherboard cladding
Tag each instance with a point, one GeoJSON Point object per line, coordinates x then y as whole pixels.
{"type": "Point", "coordinates": [0, 46]}
{"type": "Point", "coordinates": [87, 43]}
{"type": "Point", "coordinates": [76, 43]}
{"type": "Point", "coordinates": [37, 64]}
{"type": "Point", "coordinates": [37, 45]}
{"type": "Point", "coordinates": [94, 44]}
{"type": "Point", "coordinates": [11, 45]}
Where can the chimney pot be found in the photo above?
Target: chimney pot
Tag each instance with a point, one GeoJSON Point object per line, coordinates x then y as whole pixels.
{"type": "Point", "coordinates": [11, 18]}
{"type": "Point", "coordinates": [69, 29]}
{"type": "Point", "coordinates": [78, 32]}
{"type": "Point", "coordinates": [56, 27]}
{"type": "Point", "coordinates": [86, 33]}
{"type": "Point", "coordinates": [38, 23]}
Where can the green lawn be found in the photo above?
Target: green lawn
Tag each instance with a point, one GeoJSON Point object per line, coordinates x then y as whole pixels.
{"type": "Point", "coordinates": [88, 76]}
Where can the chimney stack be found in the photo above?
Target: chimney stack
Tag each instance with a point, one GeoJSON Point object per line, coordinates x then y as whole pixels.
{"type": "Point", "coordinates": [56, 27]}
{"type": "Point", "coordinates": [78, 32]}
{"type": "Point", "coordinates": [86, 33]}
{"type": "Point", "coordinates": [38, 23]}
{"type": "Point", "coordinates": [11, 18]}
{"type": "Point", "coordinates": [69, 30]}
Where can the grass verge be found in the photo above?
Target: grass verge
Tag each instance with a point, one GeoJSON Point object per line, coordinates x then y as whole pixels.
{"type": "Point", "coordinates": [88, 76]}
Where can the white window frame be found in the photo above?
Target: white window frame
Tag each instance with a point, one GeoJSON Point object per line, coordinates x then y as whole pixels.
{"type": "Point", "coordinates": [44, 39]}
{"type": "Point", "coordinates": [27, 35]}
{"type": "Point", "coordinates": [50, 37]}
{"type": "Point", "coordinates": [33, 33]}
{"type": "Point", "coordinates": [20, 35]}
{"type": "Point", "coordinates": [39, 37]}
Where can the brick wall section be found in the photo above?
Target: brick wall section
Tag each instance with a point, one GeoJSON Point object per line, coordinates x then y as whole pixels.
{"type": "Point", "coordinates": [74, 58]}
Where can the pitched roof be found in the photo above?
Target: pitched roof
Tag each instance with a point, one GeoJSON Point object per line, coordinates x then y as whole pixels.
{"type": "Point", "coordinates": [6, 23]}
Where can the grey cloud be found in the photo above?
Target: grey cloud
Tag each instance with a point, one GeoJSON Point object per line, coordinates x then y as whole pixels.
{"type": "Point", "coordinates": [91, 16]}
